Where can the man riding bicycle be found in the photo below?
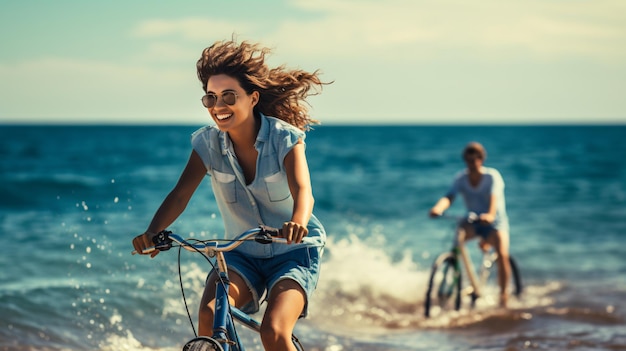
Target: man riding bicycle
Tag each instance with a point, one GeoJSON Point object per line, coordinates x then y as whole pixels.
{"type": "Point", "coordinates": [482, 189]}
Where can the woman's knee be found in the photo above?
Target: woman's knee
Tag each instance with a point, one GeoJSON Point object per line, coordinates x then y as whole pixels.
{"type": "Point", "coordinates": [272, 333]}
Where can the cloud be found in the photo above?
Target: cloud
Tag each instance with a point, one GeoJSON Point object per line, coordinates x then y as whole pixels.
{"type": "Point", "coordinates": [405, 30]}
{"type": "Point", "coordinates": [440, 58]}
{"type": "Point", "coordinates": [180, 39]}
{"type": "Point", "coordinates": [489, 29]}
{"type": "Point", "coordinates": [189, 28]}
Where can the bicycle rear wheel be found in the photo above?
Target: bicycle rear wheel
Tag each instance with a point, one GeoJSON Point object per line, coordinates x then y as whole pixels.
{"type": "Point", "coordinates": [515, 286]}
{"type": "Point", "coordinates": [516, 277]}
{"type": "Point", "coordinates": [444, 285]}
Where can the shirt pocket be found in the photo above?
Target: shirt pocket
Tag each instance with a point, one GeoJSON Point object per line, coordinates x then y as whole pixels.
{"type": "Point", "coordinates": [277, 187]}
{"type": "Point", "coordinates": [226, 185]}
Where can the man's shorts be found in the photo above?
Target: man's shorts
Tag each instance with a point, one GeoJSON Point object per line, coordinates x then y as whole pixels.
{"type": "Point", "coordinates": [483, 229]}
{"type": "Point", "coordinates": [262, 274]}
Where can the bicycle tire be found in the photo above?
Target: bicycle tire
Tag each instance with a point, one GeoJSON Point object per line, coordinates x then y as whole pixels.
{"type": "Point", "coordinates": [444, 285]}
{"type": "Point", "coordinates": [202, 343]}
{"type": "Point", "coordinates": [516, 277]}
{"type": "Point", "coordinates": [514, 285]}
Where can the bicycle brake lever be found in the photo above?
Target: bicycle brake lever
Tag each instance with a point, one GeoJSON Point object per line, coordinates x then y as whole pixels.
{"type": "Point", "coordinates": [472, 217]}
{"type": "Point", "coordinates": [263, 238]}
{"type": "Point", "coordinates": [162, 241]}
{"type": "Point", "coordinates": [269, 230]}
{"type": "Point", "coordinates": [266, 235]}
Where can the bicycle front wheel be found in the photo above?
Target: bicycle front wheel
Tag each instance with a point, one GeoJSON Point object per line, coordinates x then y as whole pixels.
{"type": "Point", "coordinates": [203, 343]}
{"type": "Point", "coordinates": [444, 285]}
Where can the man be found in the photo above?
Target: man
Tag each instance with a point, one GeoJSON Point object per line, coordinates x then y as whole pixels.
{"type": "Point", "coordinates": [482, 189]}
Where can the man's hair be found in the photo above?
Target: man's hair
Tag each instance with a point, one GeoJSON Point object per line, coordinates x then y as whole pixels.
{"type": "Point", "coordinates": [475, 148]}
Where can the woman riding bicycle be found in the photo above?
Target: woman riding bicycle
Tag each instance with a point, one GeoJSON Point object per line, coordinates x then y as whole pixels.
{"type": "Point", "coordinates": [255, 157]}
{"type": "Point", "coordinates": [483, 191]}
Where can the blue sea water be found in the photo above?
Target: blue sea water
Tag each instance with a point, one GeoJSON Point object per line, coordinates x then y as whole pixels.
{"type": "Point", "coordinates": [73, 197]}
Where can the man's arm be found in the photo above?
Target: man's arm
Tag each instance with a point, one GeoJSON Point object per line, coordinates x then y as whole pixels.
{"type": "Point", "coordinates": [441, 205]}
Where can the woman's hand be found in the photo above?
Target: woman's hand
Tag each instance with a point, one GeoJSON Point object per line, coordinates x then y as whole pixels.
{"type": "Point", "coordinates": [294, 232]}
{"type": "Point", "coordinates": [144, 241]}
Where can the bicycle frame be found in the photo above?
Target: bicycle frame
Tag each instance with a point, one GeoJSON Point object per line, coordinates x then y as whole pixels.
{"type": "Point", "coordinates": [223, 322]}
{"type": "Point", "coordinates": [458, 249]}
{"type": "Point", "coordinates": [223, 325]}
{"type": "Point", "coordinates": [225, 336]}
{"type": "Point", "coordinates": [469, 268]}
{"type": "Point", "coordinates": [448, 283]}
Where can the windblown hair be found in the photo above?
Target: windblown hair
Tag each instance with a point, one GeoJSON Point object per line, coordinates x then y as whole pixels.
{"type": "Point", "coordinates": [282, 92]}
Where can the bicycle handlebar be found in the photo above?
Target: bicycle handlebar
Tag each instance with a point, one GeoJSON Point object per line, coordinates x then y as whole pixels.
{"type": "Point", "coordinates": [471, 217]}
{"type": "Point", "coordinates": [165, 239]}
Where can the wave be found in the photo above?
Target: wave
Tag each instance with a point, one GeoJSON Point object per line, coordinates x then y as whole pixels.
{"type": "Point", "coordinates": [24, 190]}
{"type": "Point", "coordinates": [363, 289]}
{"type": "Point", "coordinates": [53, 180]}
{"type": "Point", "coordinates": [364, 293]}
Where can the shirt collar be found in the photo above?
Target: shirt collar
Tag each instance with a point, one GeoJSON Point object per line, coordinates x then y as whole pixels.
{"type": "Point", "coordinates": [262, 136]}
{"type": "Point", "coordinates": [264, 131]}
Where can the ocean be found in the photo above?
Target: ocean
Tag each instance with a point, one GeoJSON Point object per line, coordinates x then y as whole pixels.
{"type": "Point", "coordinates": [73, 197]}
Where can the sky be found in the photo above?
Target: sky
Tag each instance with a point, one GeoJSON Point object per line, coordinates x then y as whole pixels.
{"type": "Point", "coordinates": [391, 62]}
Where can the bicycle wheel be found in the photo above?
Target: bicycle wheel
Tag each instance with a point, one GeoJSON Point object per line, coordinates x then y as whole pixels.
{"type": "Point", "coordinates": [444, 285]}
{"type": "Point", "coordinates": [515, 281]}
{"type": "Point", "coordinates": [203, 343]}
{"type": "Point", "coordinates": [516, 277]}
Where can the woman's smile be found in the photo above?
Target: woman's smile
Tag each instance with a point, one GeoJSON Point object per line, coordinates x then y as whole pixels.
{"type": "Point", "coordinates": [223, 116]}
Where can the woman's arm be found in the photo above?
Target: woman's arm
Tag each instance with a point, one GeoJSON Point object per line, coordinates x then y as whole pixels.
{"type": "Point", "coordinates": [175, 202]}
{"type": "Point", "coordinates": [299, 180]}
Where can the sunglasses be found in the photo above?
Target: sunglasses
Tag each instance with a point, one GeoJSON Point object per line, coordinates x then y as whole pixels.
{"type": "Point", "coordinates": [228, 97]}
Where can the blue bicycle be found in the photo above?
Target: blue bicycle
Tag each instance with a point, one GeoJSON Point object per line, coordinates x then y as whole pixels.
{"type": "Point", "coordinates": [225, 337]}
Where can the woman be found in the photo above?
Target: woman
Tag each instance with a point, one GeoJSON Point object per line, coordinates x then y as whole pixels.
{"type": "Point", "coordinates": [259, 176]}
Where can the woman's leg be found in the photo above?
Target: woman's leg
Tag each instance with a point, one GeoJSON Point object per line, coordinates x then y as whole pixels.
{"type": "Point", "coordinates": [238, 293]}
{"type": "Point", "coordinates": [284, 306]}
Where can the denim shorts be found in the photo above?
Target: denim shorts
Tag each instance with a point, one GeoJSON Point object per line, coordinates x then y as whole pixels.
{"type": "Point", "coordinates": [262, 274]}
{"type": "Point", "coordinates": [482, 229]}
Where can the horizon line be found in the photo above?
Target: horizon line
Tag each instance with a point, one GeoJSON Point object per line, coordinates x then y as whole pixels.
{"type": "Point", "coordinates": [329, 124]}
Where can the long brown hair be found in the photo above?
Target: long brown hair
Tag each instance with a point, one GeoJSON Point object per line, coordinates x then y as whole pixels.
{"type": "Point", "coordinates": [282, 91]}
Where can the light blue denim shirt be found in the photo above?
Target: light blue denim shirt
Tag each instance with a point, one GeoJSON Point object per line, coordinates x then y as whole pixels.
{"type": "Point", "coordinates": [267, 199]}
{"type": "Point", "coordinates": [477, 199]}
